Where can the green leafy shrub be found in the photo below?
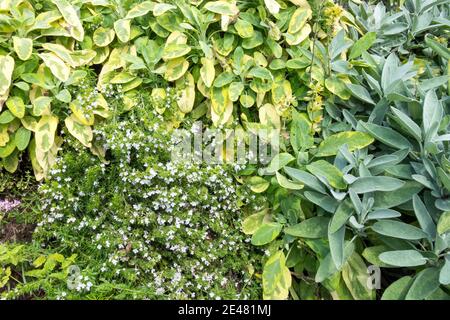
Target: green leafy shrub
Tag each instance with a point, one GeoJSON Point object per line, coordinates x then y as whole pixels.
{"type": "Point", "coordinates": [359, 97]}
{"type": "Point", "coordinates": [372, 189]}
{"type": "Point", "coordinates": [18, 184]}
{"type": "Point", "coordinates": [144, 226]}
{"type": "Point", "coordinates": [27, 272]}
{"type": "Point", "coordinates": [225, 58]}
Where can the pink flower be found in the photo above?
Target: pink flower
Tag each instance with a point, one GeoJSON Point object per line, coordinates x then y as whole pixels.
{"type": "Point", "coordinates": [8, 205]}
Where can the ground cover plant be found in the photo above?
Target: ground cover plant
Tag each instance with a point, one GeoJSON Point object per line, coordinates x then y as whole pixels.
{"type": "Point", "coordinates": [354, 206]}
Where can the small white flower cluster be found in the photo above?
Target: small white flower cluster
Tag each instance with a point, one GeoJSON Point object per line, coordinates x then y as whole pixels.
{"type": "Point", "coordinates": [87, 96]}
{"type": "Point", "coordinates": [111, 91]}
{"type": "Point", "coordinates": [174, 226]}
{"type": "Point", "coordinates": [83, 284]}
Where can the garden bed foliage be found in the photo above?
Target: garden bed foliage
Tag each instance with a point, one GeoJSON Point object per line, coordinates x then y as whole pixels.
{"type": "Point", "coordinates": [358, 91]}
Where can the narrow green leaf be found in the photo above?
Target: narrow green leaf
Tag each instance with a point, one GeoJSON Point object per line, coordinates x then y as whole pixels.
{"type": "Point", "coordinates": [380, 183]}
{"type": "Point", "coordinates": [387, 136]}
{"type": "Point", "coordinates": [444, 223]}
{"type": "Point", "coordinates": [437, 47]}
{"type": "Point", "coordinates": [398, 289]}
{"type": "Point", "coordinates": [360, 92]}
{"type": "Point", "coordinates": [405, 193]}
{"type": "Point", "coordinates": [397, 229]}
{"type": "Point", "coordinates": [403, 258]}
{"type": "Point", "coordinates": [408, 124]}
{"type": "Point", "coordinates": [306, 178]}
{"type": "Point", "coordinates": [336, 241]}
{"type": "Point", "coordinates": [343, 212]}
{"type": "Point", "coordinates": [363, 44]}
{"type": "Point", "coordinates": [424, 218]}
{"type": "Point", "coordinates": [324, 169]}
{"type": "Point", "coordinates": [432, 114]}
{"type": "Point", "coordinates": [444, 274]}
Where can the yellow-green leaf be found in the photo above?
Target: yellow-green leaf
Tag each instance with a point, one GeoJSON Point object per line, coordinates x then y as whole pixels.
{"type": "Point", "coordinates": [29, 123]}
{"type": "Point", "coordinates": [222, 7]}
{"type": "Point", "coordinates": [272, 6]}
{"type": "Point", "coordinates": [41, 105]}
{"type": "Point", "coordinates": [276, 278]}
{"type": "Point", "coordinates": [70, 15]}
{"type": "Point", "coordinates": [252, 222]}
{"type": "Point", "coordinates": [4, 135]}
{"type": "Point", "coordinates": [22, 138]}
{"type": "Point", "coordinates": [58, 68]}
{"type": "Point", "coordinates": [299, 19]}
{"type": "Point", "coordinates": [266, 233]}
{"type": "Point", "coordinates": [296, 38]}
{"type": "Point", "coordinates": [47, 159]}
{"type": "Point", "coordinates": [23, 47]}
{"type": "Point", "coordinates": [45, 132]}
{"type": "Point", "coordinates": [81, 132]}
{"type": "Point", "coordinates": [61, 51]}
{"type": "Point", "coordinates": [37, 169]}
{"type": "Point", "coordinates": [337, 86]}
{"type": "Point", "coordinates": [186, 87]}
{"type": "Point", "coordinates": [175, 50]}
{"type": "Point", "coordinates": [269, 116]}
{"type": "Point", "coordinates": [140, 10]}
{"type": "Point", "coordinates": [122, 77]}
{"type": "Point", "coordinates": [102, 36]}
{"type": "Point", "coordinates": [11, 162]}
{"type": "Point", "coordinates": [356, 277]}
{"type": "Point", "coordinates": [219, 99]}
{"type": "Point", "coordinates": [257, 184]}
{"type": "Point", "coordinates": [246, 100]}
{"type": "Point", "coordinates": [16, 106]}
{"type": "Point", "coordinates": [44, 20]}
{"type": "Point", "coordinates": [83, 116]}
{"type": "Point", "coordinates": [244, 28]}
{"type": "Point", "coordinates": [161, 8]}
{"type": "Point", "coordinates": [353, 139]}
{"type": "Point", "coordinates": [324, 169]}
{"type": "Point", "coordinates": [288, 184]}
{"type": "Point", "coordinates": [236, 89]}
{"type": "Point", "coordinates": [444, 223]}
{"type": "Point", "coordinates": [175, 69]}
{"type": "Point", "coordinates": [6, 70]}
{"type": "Point", "coordinates": [207, 71]}
{"type": "Point", "coordinates": [7, 149]}
{"type": "Point", "coordinates": [123, 29]}
{"type": "Point", "coordinates": [6, 117]}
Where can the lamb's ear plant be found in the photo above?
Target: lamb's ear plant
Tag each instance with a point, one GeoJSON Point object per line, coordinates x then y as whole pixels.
{"type": "Point", "coordinates": [403, 29]}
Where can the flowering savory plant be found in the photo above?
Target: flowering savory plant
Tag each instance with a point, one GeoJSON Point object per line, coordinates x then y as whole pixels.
{"type": "Point", "coordinates": [165, 229]}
